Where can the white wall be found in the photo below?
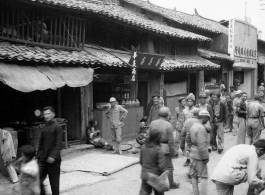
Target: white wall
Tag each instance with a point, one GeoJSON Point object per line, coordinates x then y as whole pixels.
{"type": "Point", "coordinates": [247, 86]}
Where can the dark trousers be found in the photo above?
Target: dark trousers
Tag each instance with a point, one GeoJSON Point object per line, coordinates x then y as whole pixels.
{"type": "Point", "coordinates": [217, 131]}
{"type": "Point", "coordinates": [146, 189]}
{"type": "Point", "coordinates": [53, 171]}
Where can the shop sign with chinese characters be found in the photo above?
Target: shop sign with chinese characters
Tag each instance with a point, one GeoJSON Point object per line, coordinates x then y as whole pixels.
{"type": "Point", "coordinates": [146, 60]}
{"type": "Point", "coordinates": [242, 43]}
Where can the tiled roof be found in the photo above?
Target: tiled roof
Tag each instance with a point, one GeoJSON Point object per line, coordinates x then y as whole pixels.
{"type": "Point", "coordinates": [214, 55]}
{"type": "Point", "coordinates": [37, 54]}
{"type": "Point", "coordinates": [261, 58]}
{"type": "Point", "coordinates": [109, 57]}
{"type": "Point", "coordinates": [187, 62]}
{"type": "Point", "coordinates": [182, 18]}
{"type": "Point", "coordinates": [117, 58]}
{"type": "Point", "coordinates": [94, 55]}
{"type": "Point", "coordinates": [121, 14]}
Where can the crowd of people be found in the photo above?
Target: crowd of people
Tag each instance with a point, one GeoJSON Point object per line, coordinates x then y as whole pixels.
{"type": "Point", "coordinates": [197, 130]}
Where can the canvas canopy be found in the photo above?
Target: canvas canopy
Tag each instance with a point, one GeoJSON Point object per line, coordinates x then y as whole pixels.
{"type": "Point", "coordinates": [31, 78]}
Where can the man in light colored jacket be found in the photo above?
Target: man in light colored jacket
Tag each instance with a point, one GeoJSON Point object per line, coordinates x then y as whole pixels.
{"type": "Point", "coordinates": [238, 165]}
{"type": "Point", "coordinates": [116, 114]}
{"type": "Point", "coordinates": [199, 153]}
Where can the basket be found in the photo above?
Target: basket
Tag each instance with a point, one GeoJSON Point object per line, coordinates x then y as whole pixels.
{"type": "Point", "coordinates": [159, 183]}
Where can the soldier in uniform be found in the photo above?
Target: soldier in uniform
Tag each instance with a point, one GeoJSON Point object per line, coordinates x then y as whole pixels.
{"type": "Point", "coordinates": [167, 141]}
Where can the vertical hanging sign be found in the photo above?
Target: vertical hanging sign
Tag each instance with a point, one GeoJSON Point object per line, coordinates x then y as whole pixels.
{"type": "Point", "coordinates": [231, 37]}
{"type": "Point", "coordinates": [133, 61]}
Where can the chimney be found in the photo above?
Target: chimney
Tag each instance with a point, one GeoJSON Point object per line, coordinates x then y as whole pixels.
{"type": "Point", "coordinates": [259, 34]}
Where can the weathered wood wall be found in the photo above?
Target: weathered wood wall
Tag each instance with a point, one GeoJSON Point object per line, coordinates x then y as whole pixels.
{"type": "Point", "coordinates": [131, 123]}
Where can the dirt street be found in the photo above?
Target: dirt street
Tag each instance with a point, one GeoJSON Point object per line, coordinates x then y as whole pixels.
{"type": "Point", "coordinates": [128, 181]}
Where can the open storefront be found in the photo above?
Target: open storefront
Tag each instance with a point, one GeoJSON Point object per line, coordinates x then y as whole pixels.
{"type": "Point", "coordinates": [114, 79]}
{"type": "Point", "coordinates": [186, 74]}
{"type": "Point", "coordinates": [29, 87]}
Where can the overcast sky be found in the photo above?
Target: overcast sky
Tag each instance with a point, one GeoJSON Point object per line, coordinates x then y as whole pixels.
{"type": "Point", "coordinates": [221, 9]}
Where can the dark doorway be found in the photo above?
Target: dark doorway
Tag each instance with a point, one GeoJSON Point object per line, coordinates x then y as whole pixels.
{"type": "Point", "coordinates": [193, 83]}
{"type": "Point", "coordinates": [71, 112]}
{"type": "Point", "coordinates": [142, 93]}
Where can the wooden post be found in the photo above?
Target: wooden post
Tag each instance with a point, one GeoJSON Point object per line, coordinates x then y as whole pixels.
{"type": "Point", "coordinates": [82, 102]}
{"type": "Point", "coordinates": [90, 100]}
{"type": "Point", "coordinates": [136, 84]}
{"type": "Point", "coordinates": [59, 103]}
{"type": "Point", "coordinates": [161, 87]}
{"type": "Point", "coordinates": [200, 82]}
{"type": "Point", "coordinates": [86, 95]}
{"type": "Point", "coordinates": [188, 86]}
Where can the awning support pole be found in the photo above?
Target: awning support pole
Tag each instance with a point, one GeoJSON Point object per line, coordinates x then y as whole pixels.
{"type": "Point", "coordinates": [59, 103]}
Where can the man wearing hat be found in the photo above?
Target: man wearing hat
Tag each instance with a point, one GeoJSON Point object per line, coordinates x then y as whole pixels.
{"type": "Point", "coordinates": [199, 153]}
{"type": "Point", "coordinates": [116, 114]}
{"type": "Point", "coordinates": [186, 128]}
{"type": "Point", "coordinates": [205, 106]}
{"type": "Point", "coordinates": [167, 140]}
{"type": "Point", "coordinates": [219, 117]}
{"type": "Point", "coordinates": [255, 122]}
{"type": "Point", "coordinates": [179, 121]}
{"type": "Point", "coordinates": [236, 103]}
{"type": "Point", "coordinates": [190, 99]}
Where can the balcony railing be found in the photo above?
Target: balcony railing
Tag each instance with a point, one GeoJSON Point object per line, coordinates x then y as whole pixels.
{"type": "Point", "coordinates": [41, 27]}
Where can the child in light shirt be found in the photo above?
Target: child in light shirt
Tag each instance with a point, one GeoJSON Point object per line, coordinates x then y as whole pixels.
{"type": "Point", "coordinates": [29, 181]}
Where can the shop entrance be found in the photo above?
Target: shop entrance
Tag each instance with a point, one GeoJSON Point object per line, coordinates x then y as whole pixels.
{"type": "Point", "coordinates": [142, 93]}
{"type": "Point", "coordinates": [71, 103]}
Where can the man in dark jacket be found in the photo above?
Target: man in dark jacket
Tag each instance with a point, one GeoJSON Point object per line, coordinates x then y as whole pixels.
{"type": "Point", "coordinates": [49, 148]}
{"type": "Point", "coordinates": [219, 117]}
{"type": "Point", "coordinates": [167, 140]}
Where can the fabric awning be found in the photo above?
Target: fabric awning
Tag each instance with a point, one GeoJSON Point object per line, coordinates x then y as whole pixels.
{"type": "Point", "coordinates": [70, 76]}
{"type": "Point", "coordinates": [29, 78]}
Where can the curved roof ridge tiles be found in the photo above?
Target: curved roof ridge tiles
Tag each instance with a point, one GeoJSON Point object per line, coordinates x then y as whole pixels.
{"type": "Point", "coordinates": [181, 17]}
{"type": "Point", "coordinates": [214, 55]}
{"type": "Point", "coordinates": [119, 13]}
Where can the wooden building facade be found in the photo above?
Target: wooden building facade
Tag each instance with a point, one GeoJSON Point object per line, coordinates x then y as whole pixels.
{"type": "Point", "coordinates": [83, 34]}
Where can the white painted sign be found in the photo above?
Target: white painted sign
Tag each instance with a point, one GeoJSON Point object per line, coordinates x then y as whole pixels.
{"type": "Point", "coordinates": [242, 44]}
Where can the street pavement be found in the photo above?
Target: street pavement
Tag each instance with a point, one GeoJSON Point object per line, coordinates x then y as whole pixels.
{"type": "Point", "coordinates": [128, 182]}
